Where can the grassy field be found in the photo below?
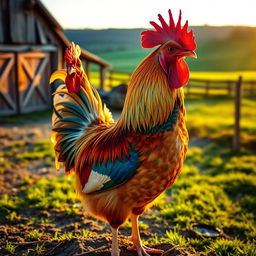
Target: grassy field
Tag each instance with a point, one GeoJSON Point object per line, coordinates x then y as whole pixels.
{"type": "Point", "coordinates": [118, 78]}
{"type": "Point", "coordinates": [218, 48]}
{"type": "Point", "coordinates": [212, 56]}
{"type": "Point", "coordinates": [217, 187]}
{"type": "Point", "coordinates": [40, 213]}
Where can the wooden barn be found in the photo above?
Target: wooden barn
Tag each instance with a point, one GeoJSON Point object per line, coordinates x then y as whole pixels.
{"type": "Point", "coordinates": [32, 46]}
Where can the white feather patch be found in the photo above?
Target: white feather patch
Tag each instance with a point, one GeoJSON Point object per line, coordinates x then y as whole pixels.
{"type": "Point", "coordinates": [95, 182]}
{"type": "Point", "coordinates": [178, 142]}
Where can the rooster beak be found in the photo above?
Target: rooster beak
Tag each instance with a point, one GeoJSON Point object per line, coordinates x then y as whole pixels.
{"type": "Point", "coordinates": [71, 70]}
{"type": "Point", "coordinates": [188, 53]}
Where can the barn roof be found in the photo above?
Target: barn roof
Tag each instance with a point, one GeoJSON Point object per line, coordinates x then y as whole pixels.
{"type": "Point", "coordinates": [18, 19]}
{"type": "Point", "coordinates": [59, 32]}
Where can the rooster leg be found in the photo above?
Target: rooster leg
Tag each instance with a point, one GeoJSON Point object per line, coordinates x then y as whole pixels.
{"type": "Point", "coordinates": [114, 249]}
{"type": "Point", "coordinates": [142, 250]}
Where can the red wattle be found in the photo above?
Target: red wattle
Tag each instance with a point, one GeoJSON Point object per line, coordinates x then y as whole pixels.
{"type": "Point", "coordinates": [73, 83]}
{"type": "Point", "coordinates": [178, 73]}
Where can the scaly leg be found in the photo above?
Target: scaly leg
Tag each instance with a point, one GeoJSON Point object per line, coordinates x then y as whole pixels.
{"type": "Point", "coordinates": [142, 250]}
{"type": "Point", "coordinates": [114, 249]}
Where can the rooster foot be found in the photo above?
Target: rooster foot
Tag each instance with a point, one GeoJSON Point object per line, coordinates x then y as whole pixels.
{"type": "Point", "coordinates": [142, 250]}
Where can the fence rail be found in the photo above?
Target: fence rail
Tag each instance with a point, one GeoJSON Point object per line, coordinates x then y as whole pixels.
{"type": "Point", "coordinates": [204, 87]}
{"type": "Point", "coordinates": [236, 88]}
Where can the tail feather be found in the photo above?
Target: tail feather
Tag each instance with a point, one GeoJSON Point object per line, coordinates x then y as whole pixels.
{"type": "Point", "coordinates": [74, 114]}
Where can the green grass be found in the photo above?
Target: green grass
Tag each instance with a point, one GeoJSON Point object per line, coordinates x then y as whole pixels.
{"type": "Point", "coordinates": [45, 194]}
{"type": "Point", "coordinates": [216, 194]}
{"type": "Point", "coordinates": [22, 118]}
{"type": "Point", "coordinates": [69, 235]}
{"type": "Point", "coordinates": [52, 194]}
{"type": "Point", "coordinates": [39, 250]}
{"type": "Point", "coordinates": [125, 60]}
{"type": "Point", "coordinates": [217, 55]}
{"type": "Point", "coordinates": [41, 150]}
{"type": "Point", "coordinates": [223, 247]}
{"type": "Point", "coordinates": [217, 186]}
{"type": "Point", "coordinates": [173, 237]}
{"type": "Point", "coordinates": [10, 247]}
{"type": "Point", "coordinates": [35, 234]}
{"type": "Point", "coordinates": [214, 118]}
{"type": "Point", "coordinates": [247, 75]}
{"type": "Point", "coordinates": [223, 75]}
{"type": "Point", "coordinates": [211, 189]}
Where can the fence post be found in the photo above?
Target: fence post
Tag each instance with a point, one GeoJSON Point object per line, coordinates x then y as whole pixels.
{"type": "Point", "coordinates": [236, 138]}
{"type": "Point", "coordinates": [87, 69]}
{"type": "Point", "coordinates": [102, 78]}
{"type": "Point", "coordinates": [207, 84]}
{"type": "Point", "coordinates": [188, 91]}
{"type": "Point", "coordinates": [110, 78]}
{"type": "Point", "coordinates": [229, 88]}
{"type": "Point", "coordinates": [252, 88]}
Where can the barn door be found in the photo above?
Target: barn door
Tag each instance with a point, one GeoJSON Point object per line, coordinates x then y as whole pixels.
{"type": "Point", "coordinates": [33, 81]}
{"type": "Point", "coordinates": [8, 95]}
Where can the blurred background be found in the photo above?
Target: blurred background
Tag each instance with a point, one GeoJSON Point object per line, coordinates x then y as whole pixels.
{"type": "Point", "coordinates": [38, 206]}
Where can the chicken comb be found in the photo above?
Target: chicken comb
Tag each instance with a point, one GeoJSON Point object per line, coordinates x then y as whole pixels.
{"type": "Point", "coordinates": [165, 32]}
{"type": "Point", "coordinates": [72, 53]}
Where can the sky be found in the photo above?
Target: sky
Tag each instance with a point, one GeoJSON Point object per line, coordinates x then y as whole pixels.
{"type": "Point", "coordinates": [137, 13]}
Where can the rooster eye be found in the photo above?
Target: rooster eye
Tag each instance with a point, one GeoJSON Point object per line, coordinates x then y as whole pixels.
{"type": "Point", "coordinates": [171, 49]}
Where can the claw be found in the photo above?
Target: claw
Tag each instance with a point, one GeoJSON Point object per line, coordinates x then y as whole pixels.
{"type": "Point", "coordinates": [143, 250]}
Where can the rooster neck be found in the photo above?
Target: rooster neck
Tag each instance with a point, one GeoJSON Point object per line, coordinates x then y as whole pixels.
{"type": "Point", "coordinates": [150, 100]}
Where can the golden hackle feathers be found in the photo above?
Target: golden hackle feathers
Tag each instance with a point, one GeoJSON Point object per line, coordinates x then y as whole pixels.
{"type": "Point", "coordinates": [149, 100]}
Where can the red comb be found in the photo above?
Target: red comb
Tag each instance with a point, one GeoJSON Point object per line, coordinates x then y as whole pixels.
{"type": "Point", "coordinates": [72, 53]}
{"type": "Point", "coordinates": [164, 33]}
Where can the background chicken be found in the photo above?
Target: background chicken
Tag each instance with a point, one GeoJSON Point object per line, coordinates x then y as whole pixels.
{"type": "Point", "coordinates": [121, 167]}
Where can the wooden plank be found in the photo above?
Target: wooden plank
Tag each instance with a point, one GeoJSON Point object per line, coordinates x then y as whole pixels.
{"type": "Point", "coordinates": [26, 67]}
{"type": "Point", "coordinates": [252, 88]}
{"type": "Point", "coordinates": [207, 86]}
{"type": "Point", "coordinates": [110, 78]}
{"type": "Point", "coordinates": [31, 28]}
{"type": "Point", "coordinates": [236, 137]}
{"type": "Point", "coordinates": [38, 78]}
{"type": "Point", "coordinates": [17, 21]}
{"type": "Point", "coordinates": [27, 48]}
{"type": "Point", "coordinates": [5, 26]}
{"type": "Point", "coordinates": [2, 23]}
{"type": "Point", "coordinates": [229, 88]}
{"type": "Point", "coordinates": [7, 84]}
{"type": "Point", "coordinates": [51, 38]}
{"type": "Point", "coordinates": [54, 61]}
{"type": "Point", "coordinates": [102, 78]}
{"type": "Point", "coordinates": [36, 69]}
{"type": "Point", "coordinates": [41, 33]}
{"type": "Point", "coordinates": [212, 81]}
{"type": "Point", "coordinates": [9, 58]}
{"type": "Point", "coordinates": [87, 69]}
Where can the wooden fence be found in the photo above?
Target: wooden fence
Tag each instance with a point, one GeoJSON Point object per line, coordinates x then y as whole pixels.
{"type": "Point", "coordinates": [219, 87]}
{"type": "Point", "coordinates": [235, 88]}
{"type": "Point", "coordinates": [195, 86]}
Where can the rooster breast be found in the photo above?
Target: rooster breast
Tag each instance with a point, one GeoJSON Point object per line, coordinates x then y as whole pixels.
{"type": "Point", "coordinates": [161, 157]}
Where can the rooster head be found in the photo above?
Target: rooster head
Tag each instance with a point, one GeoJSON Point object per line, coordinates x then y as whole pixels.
{"type": "Point", "coordinates": [175, 44]}
{"type": "Point", "coordinates": [74, 78]}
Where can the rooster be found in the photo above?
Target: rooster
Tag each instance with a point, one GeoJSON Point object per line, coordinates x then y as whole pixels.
{"type": "Point", "coordinates": [121, 167]}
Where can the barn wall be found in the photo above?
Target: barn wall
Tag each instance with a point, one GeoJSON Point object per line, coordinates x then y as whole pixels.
{"type": "Point", "coordinates": [8, 95]}
{"type": "Point", "coordinates": [32, 46]}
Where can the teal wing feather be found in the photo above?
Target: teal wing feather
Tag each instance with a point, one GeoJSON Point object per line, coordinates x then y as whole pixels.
{"type": "Point", "coordinates": [104, 176]}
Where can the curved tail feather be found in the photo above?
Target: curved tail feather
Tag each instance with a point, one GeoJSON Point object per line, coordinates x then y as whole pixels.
{"type": "Point", "coordinates": [74, 114]}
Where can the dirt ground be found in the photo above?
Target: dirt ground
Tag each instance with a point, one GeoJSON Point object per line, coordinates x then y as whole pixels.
{"type": "Point", "coordinates": [16, 231]}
